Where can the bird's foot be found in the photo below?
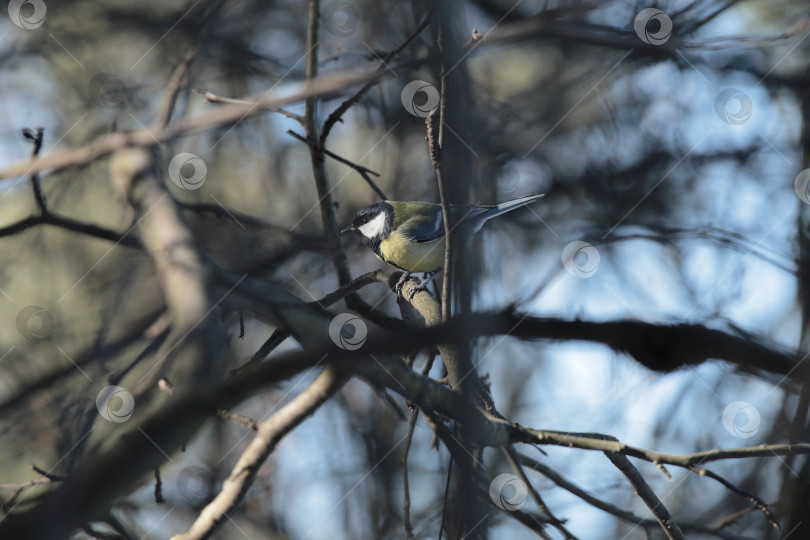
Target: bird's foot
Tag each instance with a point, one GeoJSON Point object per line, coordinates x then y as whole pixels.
{"type": "Point", "coordinates": [402, 280]}
{"type": "Point", "coordinates": [423, 285]}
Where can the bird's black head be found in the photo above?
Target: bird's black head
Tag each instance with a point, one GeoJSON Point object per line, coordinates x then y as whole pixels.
{"type": "Point", "coordinates": [374, 222]}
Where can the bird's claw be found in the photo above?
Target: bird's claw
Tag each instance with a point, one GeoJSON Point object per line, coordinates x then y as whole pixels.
{"type": "Point", "coordinates": [421, 286]}
{"type": "Point", "coordinates": [401, 283]}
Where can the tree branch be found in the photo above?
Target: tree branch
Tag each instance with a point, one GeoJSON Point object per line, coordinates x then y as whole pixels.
{"type": "Point", "coordinates": [646, 494]}
{"type": "Point", "coordinates": [225, 115]}
{"type": "Point", "coordinates": [611, 509]}
{"type": "Point", "coordinates": [270, 432]}
{"type": "Point", "coordinates": [72, 225]}
{"type": "Point", "coordinates": [337, 114]}
{"type": "Point", "coordinates": [213, 98]}
{"type": "Point", "coordinates": [363, 171]}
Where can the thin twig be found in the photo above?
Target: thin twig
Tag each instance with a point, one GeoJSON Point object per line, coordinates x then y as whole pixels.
{"type": "Point", "coordinates": [213, 98]}
{"type": "Point", "coordinates": [364, 171]}
{"type": "Point", "coordinates": [406, 501]}
{"type": "Point", "coordinates": [325, 200]}
{"type": "Point", "coordinates": [435, 135]}
{"type": "Point", "coordinates": [37, 139]}
{"type": "Point", "coordinates": [278, 336]}
{"type": "Point", "coordinates": [270, 432]}
{"type": "Point", "coordinates": [446, 496]}
{"type": "Point", "coordinates": [50, 476]}
{"type": "Point", "coordinates": [406, 494]}
{"type": "Point", "coordinates": [338, 113]}
{"type": "Point", "coordinates": [177, 83]}
{"type": "Point", "coordinates": [758, 503]}
{"type": "Point", "coordinates": [158, 488]}
{"type": "Point", "coordinates": [225, 115]}
{"type": "Point", "coordinates": [18, 488]}
{"type": "Point", "coordinates": [646, 494]}
{"type": "Point", "coordinates": [73, 225]}
{"type": "Point", "coordinates": [377, 276]}
{"type": "Point", "coordinates": [240, 419]}
{"type": "Point", "coordinates": [514, 460]}
{"type": "Point", "coordinates": [613, 510]}
{"type": "Point", "coordinates": [691, 462]}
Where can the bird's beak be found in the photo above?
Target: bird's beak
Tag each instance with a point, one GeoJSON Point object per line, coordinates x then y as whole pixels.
{"type": "Point", "coordinates": [347, 229]}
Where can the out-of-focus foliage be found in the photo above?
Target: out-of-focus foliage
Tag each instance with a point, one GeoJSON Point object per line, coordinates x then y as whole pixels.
{"type": "Point", "coordinates": [675, 163]}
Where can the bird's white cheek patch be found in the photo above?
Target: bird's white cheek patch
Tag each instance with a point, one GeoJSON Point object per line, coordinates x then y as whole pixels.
{"type": "Point", "coordinates": [374, 227]}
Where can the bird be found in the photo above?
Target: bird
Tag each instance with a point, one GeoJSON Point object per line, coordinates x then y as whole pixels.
{"type": "Point", "coordinates": [411, 236]}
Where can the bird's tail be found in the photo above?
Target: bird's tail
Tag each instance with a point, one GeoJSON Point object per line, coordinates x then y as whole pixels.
{"type": "Point", "coordinates": [489, 212]}
{"type": "Point", "coordinates": [515, 203]}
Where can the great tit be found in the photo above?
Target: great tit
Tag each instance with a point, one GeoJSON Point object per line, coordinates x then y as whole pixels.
{"type": "Point", "coordinates": [410, 235]}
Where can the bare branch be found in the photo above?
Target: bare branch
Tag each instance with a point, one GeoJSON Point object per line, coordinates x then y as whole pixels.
{"type": "Point", "coordinates": [613, 510]}
{"type": "Point", "coordinates": [225, 115]}
{"type": "Point", "coordinates": [73, 225]}
{"type": "Point", "coordinates": [364, 171]}
{"type": "Point", "coordinates": [270, 432]}
{"type": "Point", "coordinates": [213, 98]}
{"type": "Point", "coordinates": [177, 83]}
{"type": "Point", "coordinates": [646, 494]}
{"type": "Point", "coordinates": [338, 113]}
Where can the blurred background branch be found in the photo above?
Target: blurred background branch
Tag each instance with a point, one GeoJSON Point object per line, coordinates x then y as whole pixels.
{"type": "Point", "coordinates": [657, 295]}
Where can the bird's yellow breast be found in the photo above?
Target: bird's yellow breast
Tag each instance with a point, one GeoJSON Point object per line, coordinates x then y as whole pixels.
{"type": "Point", "coordinates": [411, 256]}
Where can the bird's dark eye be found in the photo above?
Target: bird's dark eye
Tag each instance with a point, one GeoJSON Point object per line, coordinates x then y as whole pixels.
{"type": "Point", "coordinates": [363, 219]}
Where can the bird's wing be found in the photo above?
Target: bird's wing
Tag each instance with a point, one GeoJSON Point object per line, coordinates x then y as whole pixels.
{"type": "Point", "coordinates": [423, 227]}
{"type": "Point", "coordinates": [426, 224]}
